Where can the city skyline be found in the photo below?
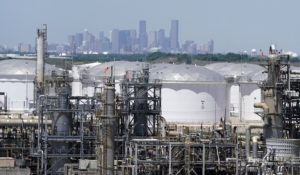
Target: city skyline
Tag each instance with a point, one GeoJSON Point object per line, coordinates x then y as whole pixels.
{"type": "Point", "coordinates": [122, 41]}
{"type": "Point", "coordinates": [129, 41]}
{"type": "Point", "coordinates": [234, 25]}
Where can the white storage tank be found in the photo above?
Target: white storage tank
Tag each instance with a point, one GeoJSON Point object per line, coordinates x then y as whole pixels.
{"type": "Point", "coordinates": [191, 93]}
{"type": "Point", "coordinates": [244, 91]}
{"type": "Point", "coordinates": [17, 81]}
{"type": "Point", "coordinates": [82, 85]}
{"type": "Point", "coordinates": [97, 74]}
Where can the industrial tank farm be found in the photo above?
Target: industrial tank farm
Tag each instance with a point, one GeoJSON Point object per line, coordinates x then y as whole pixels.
{"type": "Point", "coordinates": [120, 117]}
{"type": "Point", "coordinates": [201, 91]}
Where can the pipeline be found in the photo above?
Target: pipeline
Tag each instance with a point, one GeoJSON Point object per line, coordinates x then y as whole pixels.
{"type": "Point", "coordinates": [264, 106]}
{"type": "Point", "coordinates": [21, 122]}
{"type": "Point", "coordinates": [248, 135]}
{"type": "Point", "coordinates": [254, 146]}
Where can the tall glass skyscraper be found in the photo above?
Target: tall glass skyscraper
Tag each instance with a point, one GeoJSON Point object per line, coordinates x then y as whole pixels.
{"type": "Point", "coordinates": [174, 43]}
{"type": "Point", "coordinates": [143, 38]}
{"type": "Point", "coordinates": [115, 47]}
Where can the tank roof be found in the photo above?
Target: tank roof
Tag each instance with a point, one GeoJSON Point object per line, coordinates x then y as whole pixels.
{"type": "Point", "coordinates": [182, 72]}
{"type": "Point", "coordinates": [248, 72]}
{"type": "Point", "coordinates": [23, 67]}
{"type": "Point", "coordinates": [120, 68]}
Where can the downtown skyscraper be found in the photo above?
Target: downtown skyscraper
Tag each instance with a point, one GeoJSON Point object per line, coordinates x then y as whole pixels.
{"type": "Point", "coordinates": [115, 45]}
{"type": "Point", "coordinates": [174, 43]}
{"type": "Point", "coordinates": [143, 36]}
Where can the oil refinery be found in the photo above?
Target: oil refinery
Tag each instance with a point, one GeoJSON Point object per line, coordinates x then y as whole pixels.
{"type": "Point", "coordinates": [136, 118]}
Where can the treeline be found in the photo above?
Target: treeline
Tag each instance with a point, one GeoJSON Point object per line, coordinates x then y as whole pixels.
{"type": "Point", "coordinates": [84, 59]}
{"type": "Point", "coordinates": [109, 57]}
{"type": "Point", "coordinates": [154, 58]}
{"type": "Point", "coordinates": [188, 59]}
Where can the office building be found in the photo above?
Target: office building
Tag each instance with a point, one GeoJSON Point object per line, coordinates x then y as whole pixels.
{"type": "Point", "coordinates": [152, 39]}
{"type": "Point", "coordinates": [115, 41]}
{"type": "Point", "coordinates": [143, 38]}
{"type": "Point", "coordinates": [174, 43]}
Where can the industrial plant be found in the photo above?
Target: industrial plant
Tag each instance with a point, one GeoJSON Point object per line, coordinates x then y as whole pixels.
{"type": "Point", "coordinates": [137, 118]}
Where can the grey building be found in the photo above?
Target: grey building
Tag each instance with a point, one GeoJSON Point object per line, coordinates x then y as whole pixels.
{"type": "Point", "coordinates": [189, 47]}
{"type": "Point", "coordinates": [143, 38]}
{"type": "Point", "coordinates": [115, 45]}
{"type": "Point", "coordinates": [207, 48]}
{"type": "Point", "coordinates": [152, 39]}
{"type": "Point", "coordinates": [124, 41]}
{"type": "Point", "coordinates": [162, 41]}
{"type": "Point", "coordinates": [104, 43]}
{"type": "Point", "coordinates": [78, 39]}
{"type": "Point", "coordinates": [174, 43]}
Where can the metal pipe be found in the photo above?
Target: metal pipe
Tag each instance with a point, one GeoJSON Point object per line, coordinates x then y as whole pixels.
{"type": "Point", "coordinates": [163, 127]}
{"type": "Point", "coordinates": [237, 156]}
{"type": "Point", "coordinates": [254, 146]}
{"type": "Point", "coordinates": [135, 160]}
{"type": "Point", "coordinates": [145, 140]}
{"type": "Point", "coordinates": [23, 117]}
{"type": "Point", "coordinates": [248, 135]}
{"type": "Point", "coordinates": [170, 159]}
{"type": "Point", "coordinates": [203, 159]}
{"type": "Point", "coordinates": [20, 122]}
{"type": "Point", "coordinates": [5, 102]}
{"type": "Point", "coordinates": [288, 75]}
{"type": "Point", "coordinates": [264, 106]}
{"type": "Point", "coordinates": [240, 102]}
{"type": "Point", "coordinates": [247, 166]}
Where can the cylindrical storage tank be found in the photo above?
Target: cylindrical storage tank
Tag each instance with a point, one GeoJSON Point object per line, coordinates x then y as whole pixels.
{"type": "Point", "coordinates": [76, 84]}
{"type": "Point", "coordinates": [190, 93]}
{"type": "Point", "coordinates": [251, 94]}
{"type": "Point", "coordinates": [244, 91]}
{"type": "Point", "coordinates": [76, 88]}
{"type": "Point", "coordinates": [98, 73]}
{"type": "Point", "coordinates": [82, 85]}
{"type": "Point", "coordinates": [17, 81]}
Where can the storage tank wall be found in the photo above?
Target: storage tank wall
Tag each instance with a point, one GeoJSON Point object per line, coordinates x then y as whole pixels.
{"type": "Point", "coordinates": [193, 103]}
{"type": "Point", "coordinates": [251, 94]}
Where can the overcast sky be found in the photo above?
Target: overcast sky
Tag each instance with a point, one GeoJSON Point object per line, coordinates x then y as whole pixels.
{"type": "Point", "coordinates": [234, 25]}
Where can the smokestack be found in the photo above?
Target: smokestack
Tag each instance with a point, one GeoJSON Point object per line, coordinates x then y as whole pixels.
{"type": "Point", "coordinates": [41, 53]}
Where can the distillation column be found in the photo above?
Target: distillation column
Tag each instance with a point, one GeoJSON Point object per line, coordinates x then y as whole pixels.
{"type": "Point", "coordinates": [108, 128]}
{"type": "Point", "coordinates": [273, 97]}
{"type": "Point", "coordinates": [40, 63]}
{"type": "Point", "coordinates": [39, 82]}
{"type": "Point", "coordinates": [41, 53]}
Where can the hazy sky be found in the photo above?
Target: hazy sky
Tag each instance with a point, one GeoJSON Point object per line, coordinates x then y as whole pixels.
{"type": "Point", "coordinates": [234, 25]}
